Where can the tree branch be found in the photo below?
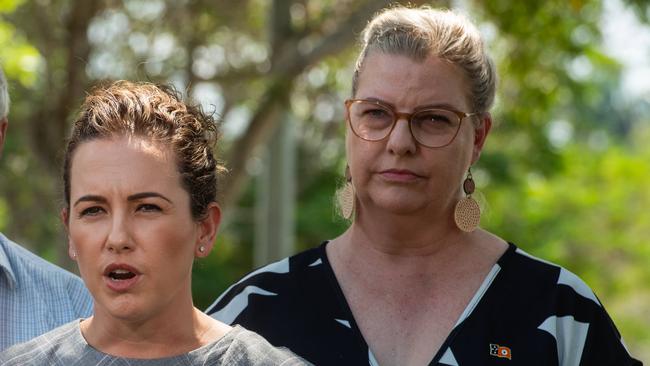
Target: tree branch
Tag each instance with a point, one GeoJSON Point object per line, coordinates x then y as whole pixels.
{"type": "Point", "coordinates": [288, 65]}
{"type": "Point", "coordinates": [62, 95]}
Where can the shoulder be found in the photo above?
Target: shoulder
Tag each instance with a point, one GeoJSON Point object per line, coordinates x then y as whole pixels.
{"type": "Point", "coordinates": [28, 265]}
{"type": "Point", "coordinates": [542, 287]}
{"type": "Point", "coordinates": [295, 303]}
{"type": "Point", "coordinates": [50, 288]}
{"type": "Point", "coordinates": [58, 343]}
{"type": "Point", "coordinates": [249, 348]}
{"type": "Point", "coordinates": [284, 276]}
{"type": "Point", "coordinates": [527, 271]}
{"type": "Point", "coordinates": [560, 306]}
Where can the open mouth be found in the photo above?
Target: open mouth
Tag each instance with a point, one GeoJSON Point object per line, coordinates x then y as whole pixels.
{"type": "Point", "coordinates": [120, 274]}
{"type": "Point", "coordinates": [121, 277]}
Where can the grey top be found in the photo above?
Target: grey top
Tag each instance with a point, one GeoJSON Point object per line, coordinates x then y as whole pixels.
{"type": "Point", "coordinates": [66, 346]}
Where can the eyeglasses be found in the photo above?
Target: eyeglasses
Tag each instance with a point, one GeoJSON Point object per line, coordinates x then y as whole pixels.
{"type": "Point", "coordinates": [432, 127]}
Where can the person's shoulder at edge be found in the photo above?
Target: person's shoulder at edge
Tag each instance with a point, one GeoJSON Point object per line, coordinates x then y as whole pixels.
{"type": "Point", "coordinates": [41, 349]}
{"type": "Point", "coordinates": [269, 276]}
{"type": "Point", "coordinates": [32, 271]}
{"type": "Point", "coordinates": [249, 348]}
{"type": "Point", "coordinates": [543, 270]}
{"type": "Point", "coordinates": [577, 306]}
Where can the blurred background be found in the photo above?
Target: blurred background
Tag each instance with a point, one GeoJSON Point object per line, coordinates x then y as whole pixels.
{"type": "Point", "coordinates": [564, 175]}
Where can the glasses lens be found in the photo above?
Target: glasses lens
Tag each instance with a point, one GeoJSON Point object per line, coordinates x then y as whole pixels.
{"type": "Point", "coordinates": [435, 127]}
{"type": "Point", "coordinates": [370, 121]}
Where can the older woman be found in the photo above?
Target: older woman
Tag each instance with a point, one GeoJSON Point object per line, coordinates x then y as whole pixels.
{"type": "Point", "coordinates": [413, 281]}
{"type": "Point", "coordinates": [140, 186]}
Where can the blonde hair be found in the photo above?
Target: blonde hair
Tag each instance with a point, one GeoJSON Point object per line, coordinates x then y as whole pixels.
{"type": "Point", "coordinates": [157, 113]}
{"type": "Point", "coordinates": [4, 96]}
{"type": "Point", "coordinates": [422, 32]}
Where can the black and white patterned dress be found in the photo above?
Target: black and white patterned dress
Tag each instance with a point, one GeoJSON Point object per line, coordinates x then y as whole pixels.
{"type": "Point", "coordinates": [526, 312]}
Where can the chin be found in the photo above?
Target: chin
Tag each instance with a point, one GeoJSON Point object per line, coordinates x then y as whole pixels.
{"type": "Point", "coordinates": [401, 205]}
{"type": "Point", "coordinates": [129, 309]}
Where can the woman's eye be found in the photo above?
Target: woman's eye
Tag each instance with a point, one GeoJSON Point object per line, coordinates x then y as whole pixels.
{"type": "Point", "coordinates": [91, 211]}
{"type": "Point", "coordinates": [376, 113]}
{"type": "Point", "coordinates": [434, 118]}
{"type": "Point", "coordinates": [148, 207]}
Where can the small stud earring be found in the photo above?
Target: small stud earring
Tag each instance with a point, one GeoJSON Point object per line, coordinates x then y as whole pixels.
{"type": "Point", "coordinates": [201, 249]}
{"type": "Point", "coordinates": [74, 255]}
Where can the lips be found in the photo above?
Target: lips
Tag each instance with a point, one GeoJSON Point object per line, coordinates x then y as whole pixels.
{"type": "Point", "coordinates": [400, 175]}
{"type": "Point", "coordinates": [120, 277]}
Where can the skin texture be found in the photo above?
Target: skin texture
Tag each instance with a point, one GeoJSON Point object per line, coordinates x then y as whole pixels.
{"type": "Point", "coordinates": [433, 185]}
{"type": "Point", "coordinates": [405, 269]}
{"type": "Point", "coordinates": [128, 207]}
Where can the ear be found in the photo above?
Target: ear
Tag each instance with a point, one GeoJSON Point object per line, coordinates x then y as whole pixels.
{"type": "Point", "coordinates": [208, 228]}
{"type": "Point", "coordinates": [3, 132]}
{"type": "Point", "coordinates": [65, 219]}
{"type": "Point", "coordinates": [347, 113]}
{"type": "Point", "coordinates": [480, 135]}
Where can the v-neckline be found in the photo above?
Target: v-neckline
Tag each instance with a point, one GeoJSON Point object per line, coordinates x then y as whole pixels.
{"type": "Point", "coordinates": [469, 308]}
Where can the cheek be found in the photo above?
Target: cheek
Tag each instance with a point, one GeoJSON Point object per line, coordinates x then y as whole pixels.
{"type": "Point", "coordinates": [177, 243]}
{"type": "Point", "coordinates": [86, 243]}
{"type": "Point", "coordinates": [85, 237]}
{"type": "Point", "coordinates": [174, 259]}
{"type": "Point", "coordinates": [361, 154]}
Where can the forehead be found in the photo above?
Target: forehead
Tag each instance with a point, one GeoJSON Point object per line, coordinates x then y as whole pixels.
{"type": "Point", "coordinates": [122, 162]}
{"type": "Point", "coordinates": [408, 83]}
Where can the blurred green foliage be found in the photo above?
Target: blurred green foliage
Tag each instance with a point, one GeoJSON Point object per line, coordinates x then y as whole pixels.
{"type": "Point", "coordinates": [592, 218]}
{"type": "Point", "coordinates": [564, 174]}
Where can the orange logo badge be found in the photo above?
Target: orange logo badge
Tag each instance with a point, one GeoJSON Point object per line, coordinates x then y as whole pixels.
{"type": "Point", "coordinates": [500, 351]}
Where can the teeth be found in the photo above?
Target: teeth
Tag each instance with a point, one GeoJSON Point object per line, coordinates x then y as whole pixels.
{"type": "Point", "coordinates": [121, 274]}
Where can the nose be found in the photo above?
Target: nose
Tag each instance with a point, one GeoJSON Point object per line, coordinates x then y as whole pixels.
{"type": "Point", "coordinates": [401, 140]}
{"type": "Point", "coordinates": [119, 239]}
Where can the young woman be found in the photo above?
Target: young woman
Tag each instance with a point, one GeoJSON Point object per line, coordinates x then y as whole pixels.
{"type": "Point", "coordinates": [140, 184]}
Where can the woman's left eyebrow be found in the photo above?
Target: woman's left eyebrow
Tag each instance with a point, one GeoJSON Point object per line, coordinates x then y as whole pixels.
{"type": "Point", "coordinates": [437, 106]}
{"type": "Point", "coordinates": [139, 196]}
{"type": "Point", "coordinates": [90, 198]}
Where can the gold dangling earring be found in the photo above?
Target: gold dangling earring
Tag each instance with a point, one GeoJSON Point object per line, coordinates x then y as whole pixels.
{"type": "Point", "coordinates": [467, 213]}
{"type": "Point", "coordinates": [345, 196]}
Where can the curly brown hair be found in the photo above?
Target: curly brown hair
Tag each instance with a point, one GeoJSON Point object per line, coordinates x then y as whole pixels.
{"type": "Point", "coordinates": [157, 113]}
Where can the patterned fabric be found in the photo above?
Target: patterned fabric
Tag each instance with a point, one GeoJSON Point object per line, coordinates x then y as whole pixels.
{"type": "Point", "coordinates": [527, 312]}
{"type": "Point", "coordinates": [35, 295]}
{"type": "Point", "coordinates": [66, 346]}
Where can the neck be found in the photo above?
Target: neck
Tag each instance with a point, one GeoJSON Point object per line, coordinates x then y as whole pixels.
{"type": "Point", "coordinates": [179, 331]}
{"type": "Point", "coordinates": [404, 235]}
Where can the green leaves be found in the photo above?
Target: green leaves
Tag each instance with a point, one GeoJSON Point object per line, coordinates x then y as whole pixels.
{"type": "Point", "coordinates": [18, 57]}
{"type": "Point", "coordinates": [8, 6]}
{"type": "Point", "coordinates": [592, 217]}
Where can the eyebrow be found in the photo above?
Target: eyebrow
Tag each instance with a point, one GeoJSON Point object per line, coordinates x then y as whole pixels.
{"type": "Point", "coordinates": [90, 198]}
{"type": "Point", "coordinates": [133, 197]}
{"type": "Point", "coordinates": [139, 196]}
{"type": "Point", "coordinates": [437, 106]}
{"type": "Point", "coordinates": [417, 108]}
